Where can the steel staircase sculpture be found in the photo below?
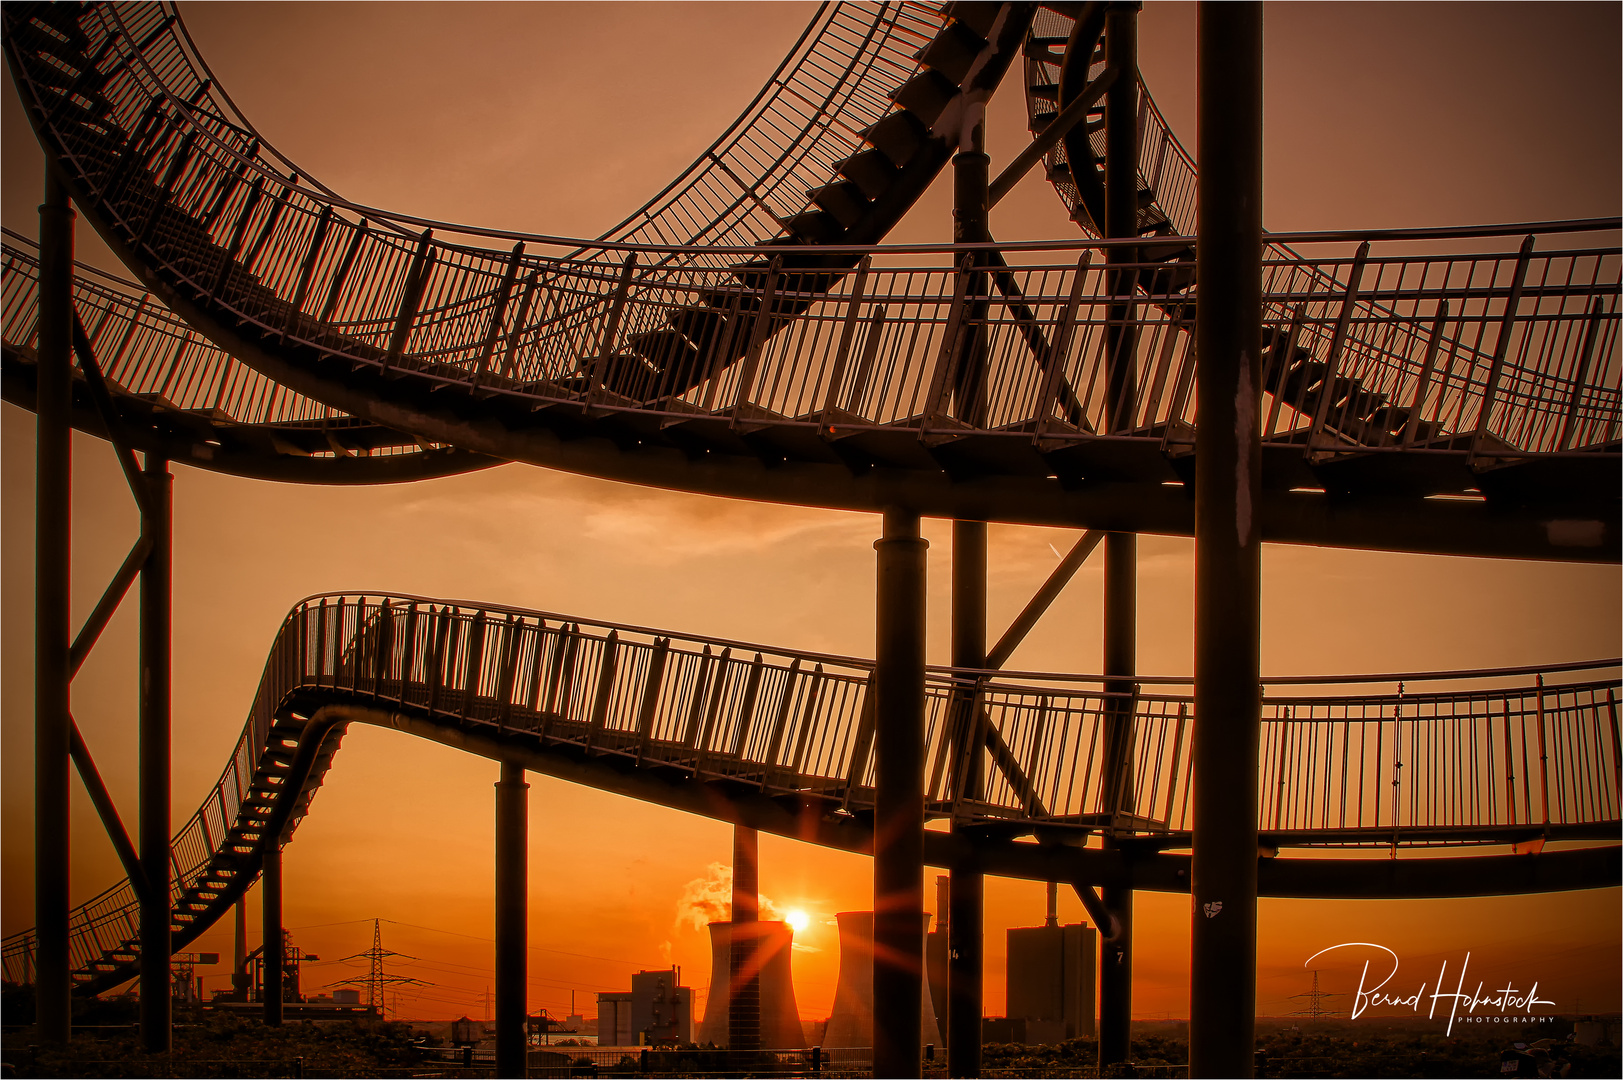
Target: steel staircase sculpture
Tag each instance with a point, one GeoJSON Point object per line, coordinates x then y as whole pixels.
{"type": "Point", "coordinates": [1328, 369]}
{"type": "Point", "coordinates": [728, 353]}
{"type": "Point", "coordinates": [724, 728]}
{"type": "Point", "coordinates": [743, 335]}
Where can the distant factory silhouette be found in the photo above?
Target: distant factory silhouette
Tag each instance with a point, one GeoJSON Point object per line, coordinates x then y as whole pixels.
{"type": "Point", "coordinates": [1051, 971]}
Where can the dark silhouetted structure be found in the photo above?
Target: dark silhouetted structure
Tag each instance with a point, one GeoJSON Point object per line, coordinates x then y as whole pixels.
{"type": "Point", "coordinates": [743, 336]}
{"type": "Point", "coordinates": [657, 1011]}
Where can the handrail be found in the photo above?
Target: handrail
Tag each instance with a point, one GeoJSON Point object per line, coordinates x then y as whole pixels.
{"type": "Point", "coordinates": [962, 674]}
{"type": "Point", "coordinates": [664, 338]}
{"type": "Point", "coordinates": [234, 419]}
{"type": "Point", "coordinates": [1447, 767]}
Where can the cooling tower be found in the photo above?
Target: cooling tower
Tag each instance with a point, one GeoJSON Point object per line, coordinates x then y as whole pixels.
{"type": "Point", "coordinates": [780, 1016]}
{"type": "Point", "coordinates": [851, 1023]}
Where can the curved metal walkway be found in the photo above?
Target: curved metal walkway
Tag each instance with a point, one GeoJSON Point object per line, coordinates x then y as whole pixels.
{"type": "Point", "coordinates": [1443, 401]}
{"type": "Point", "coordinates": [782, 741]}
{"type": "Point", "coordinates": [178, 394]}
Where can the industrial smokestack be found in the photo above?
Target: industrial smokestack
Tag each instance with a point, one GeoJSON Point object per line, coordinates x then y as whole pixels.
{"type": "Point", "coordinates": [851, 1023]}
{"type": "Point", "coordinates": [937, 952]}
{"type": "Point", "coordinates": [779, 1015]}
{"type": "Point", "coordinates": [743, 964]}
{"type": "Point", "coordinates": [1053, 904]}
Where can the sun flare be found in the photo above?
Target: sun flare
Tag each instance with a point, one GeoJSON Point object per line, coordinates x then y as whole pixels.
{"type": "Point", "coordinates": [797, 919]}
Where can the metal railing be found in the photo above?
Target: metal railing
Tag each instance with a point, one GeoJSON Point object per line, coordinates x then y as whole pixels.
{"type": "Point", "coordinates": [1467, 757]}
{"type": "Point", "coordinates": [1164, 166]}
{"type": "Point", "coordinates": [1505, 353]}
{"type": "Point", "coordinates": [837, 80]}
{"type": "Point", "coordinates": [145, 349]}
{"type": "Point", "coordinates": [1432, 346]}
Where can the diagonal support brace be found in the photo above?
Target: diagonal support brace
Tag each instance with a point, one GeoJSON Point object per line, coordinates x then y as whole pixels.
{"type": "Point", "coordinates": [1109, 926]}
{"type": "Point", "coordinates": [1067, 119]}
{"type": "Point", "coordinates": [1044, 597]}
{"type": "Point", "coordinates": [105, 809]}
{"type": "Point", "coordinates": [110, 599]}
{"type": "Point", "coordinates": [103, 400]}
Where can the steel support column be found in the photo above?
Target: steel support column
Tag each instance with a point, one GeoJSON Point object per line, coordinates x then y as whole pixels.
{"type": "Point", "coordinates": [965, 958]}
{"type": "Point", "coordinates": [898, 689]}
{"type": "Point", "coordinates": [241, 983]}
{"type": "Point", "coordinates": [1228, 564]}
{"type": "Point", "coordinates": [967, 884]}
{"type": "Point", "coordinates": [270, 919]}
{"type": "Point", "coordinates": [512, 919]}
{"type": "Point", "coordinates": [52, 633]}
{"type": "Point", "coordinates": [743, 970]}
{"type": "Point", "coordinates": [156, 623]}
{"type": "Point", "coordinates": [1121, 549]}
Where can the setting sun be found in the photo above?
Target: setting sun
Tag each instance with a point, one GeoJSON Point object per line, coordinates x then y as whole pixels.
{"type": "Point", "coordinates": [797, 919]}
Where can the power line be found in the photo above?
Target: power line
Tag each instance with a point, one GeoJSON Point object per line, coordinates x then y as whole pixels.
{"type": "Point", "coordinates": [532, 948]}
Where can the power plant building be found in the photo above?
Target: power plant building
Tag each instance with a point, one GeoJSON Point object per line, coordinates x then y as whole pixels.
{"type": "Point", "coordinates": [780, 1016]}
{"type": "Point", "coordinates": [1051, 972]}
{"type": "Point", "coordinates": [851, 1022]}
{"type": "Point", "coordinates": [657, 1011]}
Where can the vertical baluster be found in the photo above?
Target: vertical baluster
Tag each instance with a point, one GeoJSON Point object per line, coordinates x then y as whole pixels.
{"type": "Point", "coordinates": [226, 190]}
{"type": "Point", "coordinates": [1030, 803]}
{"type": "Point", "coordinates": [605, 688]}
{"type": "Point", "coordinates": [701, 683]}
{"type": "Point", "coordinates": [1177, 759]}
{"type": "Point", "coordinates": [1059, 348]}
{"type": "Point", "coordinates": [1580, 377]}
{"type": "Point", "coordinates": [509, 670]}
{"type": "Point", "coordinates": [948, 352]}
{"type": "Point", "coordinates": [611, 330]}
{"type": "Point", "coordinates": [1507, 324]}
{"type": "Point", "coordinates": [434, 674]}
{"type": "Point", "coordinates": [411, 297]}
{"type": "Point", "coordinates": [238, 231]}
{"type": "Point", "coordinates": [1397, 774]}
{"type": "Point", "coordinates": [780, 720]}
{"type": "Point", "coordinates": [708, 731]}
{"type": "Point", "coordinates": [308, 267]}
{"type": "Point", "coordinates": [1417, 408]}
{"type": "Point", "coordinates": [722, 351]}
{"type": "Point", "coordinates": [537, 676]}
{"type": "Point", "coordinates": [498, 312]}
{"type": "Point", "coordinates": [847, 332]}
{"type": "Point", "coordinates": [746, 712]}
{"type": "Point", "coordinates": [278, 205]}
{"type": "Point", "coordinates": [861, 745]}
{"type": "Point", "coordinates": [510, 347]}
{"type": "Point", "coordinates": [758, 335]}
{"type": "Point", "coordinates": [1617, 751]}
{"type": "Point", "coordinates": [566, 653]}
{"type": "Point", "coordinates": [855, 400]}
{"type": "Point", "coordinates": [340, 276]}
{"type": "Point", "coordinates": [1543, 776]}
{"type": "Point", "coordinates": [809, 715]}
{"type": "Point", "coordinates": [476, 663]}
{"type": "Point", "coordinates": [650, 695]}
{"type": "Point", "coordinates": [321, 640]}
{"type": "Point", "coordinates": [1338, 339]}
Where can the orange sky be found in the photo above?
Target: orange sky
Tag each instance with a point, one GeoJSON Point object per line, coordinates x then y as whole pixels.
{"type": "Point", "coordinates": [563, 118]}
